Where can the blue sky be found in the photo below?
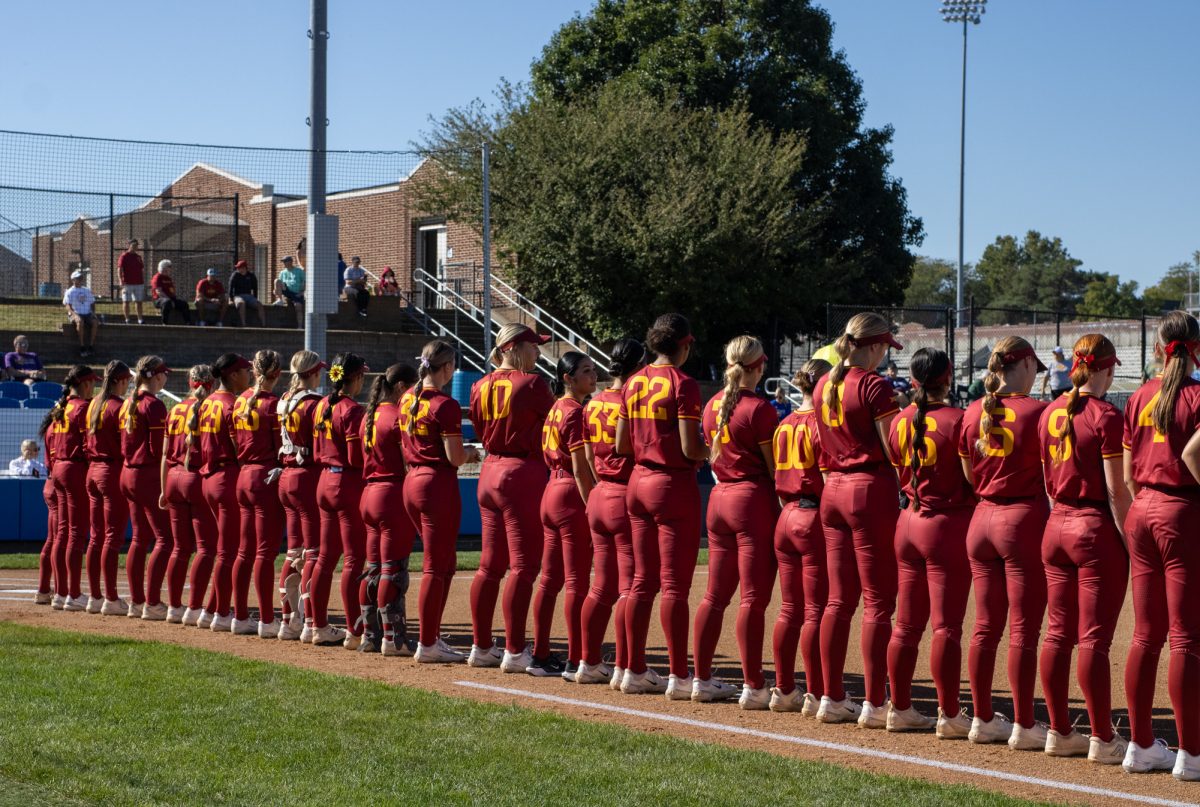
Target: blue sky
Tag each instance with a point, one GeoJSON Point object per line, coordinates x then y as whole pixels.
{"type": "Point", "coordinates": [1082, 116]}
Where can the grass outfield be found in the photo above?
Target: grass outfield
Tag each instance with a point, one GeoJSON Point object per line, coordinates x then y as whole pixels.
{"type": "Point", "coordinates": [224, 730]}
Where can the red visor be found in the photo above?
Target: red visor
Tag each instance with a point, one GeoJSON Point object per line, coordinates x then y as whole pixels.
{"type": "Point", "coordinates": [89, 376]}
{"type": "Point", "coordinates": [162, 369]}
{"type": "Point", "coordinates": [883, 338]}
{"type": "Point", "coordinates": [1094, 364]}
{"type": "Point", "coordinates": [240, 364]}
{"type": "Point", "coordinates": [316, 368]}
{"type": "Point", "coordinates": [759, 362]}
{"type": "Point", "coordinates": [121, 375]}
{"type": "Point", "coordinates": [526, 336]}
{"type": "Point", "coordinates": [1014, 356]}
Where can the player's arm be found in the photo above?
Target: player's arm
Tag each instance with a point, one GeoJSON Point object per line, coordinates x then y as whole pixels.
{"type": "Point", "coordinates": [691, 440]}
{"type": "Point", "coordinates": [581, 467]}
{"type": "Point", "coordinates": [1119, 498]}
{"type": "Point", "coordinates": [162, 477]}
{"type": "Point", "coordinates": [1191, 455]}
{"type": "Point", "coordinates": [1128, 466]}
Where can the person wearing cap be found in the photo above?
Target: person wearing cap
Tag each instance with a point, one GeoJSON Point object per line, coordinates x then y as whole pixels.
{"type": "Point", "coordinates": [210, 296]}
{"type": "Point", "coordinates": [109, 509]}
{"type": "Point", "coordinates": [356, 286]}
{"type": "Point", "coordinates": [290, 285]}
{"type": "Point", "coordinates": [1058, 378]}
{"type": "Point", "coordinates": [162, 291]}
{"type": "Point", "coordinates": [132, 274]}
{"type": "Point", "coordinates": [21, 364]}
{"type": "Point", "coordinates": [243, 291]}
{"type": "Point", "coordinates": [81, 311]}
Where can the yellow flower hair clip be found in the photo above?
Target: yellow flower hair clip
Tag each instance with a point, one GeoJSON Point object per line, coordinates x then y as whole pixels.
{"type": "Point", "coordinates": [336, 372]}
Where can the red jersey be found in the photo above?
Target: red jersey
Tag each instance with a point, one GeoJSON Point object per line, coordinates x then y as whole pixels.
{"type": "Point", "coordinates": [162, 287]}
{"type": "Point", "coordinates": [438, 415]}
{"type": "Point", "coordinates": [600, 429]}
{"type": "Point", "coordinates": [751, 426]}
{"type": "Point", "coordinates": [66, 436]}
{"type": "Point", "coordinates": [941, 484]}
{"type": "Point", "coordinates": [335, 440]}
{"type": "Point", "coordinates": [130, 269]}
{"type": "Point", "coordinates": [209, 289]}
{"type": "Point", "coordinates": [508, 408]}
{"type": "Point", "coordinates": [1156, 457]}
{"type": "Point", "coordinates": [177, 434]}
{"type": "Point", "coordinates": [1011, 468]}
{"type": "Point", "coordinates": [217, 445]}
{"type": "Point", "coordinates": [104, 445]}
{"type": "Point", "coordinates": [653, 402]}
{"type": "Point", "coordinates": [383, 457]}
{"type": "Point", "coordinates": [798, 457]}
{"type": "Point", "coordinates": [256, 428]}
{"type": "Point", "coordinates": [848, 435]}
{"type": "Point", "coordinates": [298, 423]}
{"type": "Point", "coordinates": [562, 434]}
{"type": "Point", "coordinates": [144, 445]}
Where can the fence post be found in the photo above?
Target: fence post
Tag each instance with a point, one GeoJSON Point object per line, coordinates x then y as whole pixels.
{"type": "Point", "coordinates": [1142, 369]}
{"type": "Point", "coordinates": [37, 263]}
{"type": "Point", "coordinates": [1058, 328]}
{"type": "Point", "coordinates": [828, 320]}
{"type": "Point", "coordinates": [487, 251]}
{"type": "Point", "coordinates": [112, 247]}
{"type": "Point", "coordinates": [971, 343]}
{"type": "Point", "coordinates": [950, 335]}
{"type": "Point", "coordinates": [236, 205]}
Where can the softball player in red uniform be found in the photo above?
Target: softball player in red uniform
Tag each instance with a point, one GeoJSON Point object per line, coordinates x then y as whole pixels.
{"type": "Point", "coordinates": [659, 423]}
{"type": "Point", "coordinates": [508, 407]}
{"type": "Point", "coordinates": [1087, 568]}
{"type": "Point", "coordinates": [337, 426]}
{"type": "Point", "coordinates": [220, 471]}
{"type": "Point", "coordinates": [143, 422]}
{"type": "Point", "coordinates": [1001, 457]}
{"type": "Point", "coordinates": [256, 432]}
{"type": "Point", "coordinates": [109, 508]}
{"type": "Point", "coordinates": [608, 517]}
{"type": "Point", "coordinates": [45, 590]}
{"type": "Point", "coordinates": [431, 435]}
{"type": "Point", "coordinates": [1162, 468]}
{"type": "Point", "coordinates": [192, 523]}
{"type": "Point", "coordinates": [298, 493]}
{"type": "Point", "coordinates": [567, 551]}
{"type": "Point", "coordinates": [931, 548]}
{"type": "Point", "coordinates": [859, 511]}
{"type": "Point", "coordinates": [739, 427]}
{"type": "Point", "coordinates": [800, 551]}
{"type": "Point", "coordinates": [63, 430]}
{"type": "Point", "coordinates": [390, 532]}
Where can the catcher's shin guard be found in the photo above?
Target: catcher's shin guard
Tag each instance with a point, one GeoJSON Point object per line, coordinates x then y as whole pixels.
{"type": "Point", "coordinates": [369, 594]}
{"type": "Point", "coordinates": [395, 617]}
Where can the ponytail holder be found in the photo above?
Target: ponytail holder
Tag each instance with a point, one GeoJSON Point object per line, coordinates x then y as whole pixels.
{"type": "Point", "coordinates": [201, 384]}
{"type": "Point", "coordinates": [336, 372]}
{"type": "Point", "coordinates": [1188, 347]}
{"type": "Point", "coordinates": [424, 362]}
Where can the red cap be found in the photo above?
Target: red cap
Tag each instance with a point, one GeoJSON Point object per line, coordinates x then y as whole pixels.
{"type": "Point", "coordinates": [240, 264]}
{"type": "Point", "coordinates": [878, 339]}
{"type": "Point", "coordinates": [526, 336]}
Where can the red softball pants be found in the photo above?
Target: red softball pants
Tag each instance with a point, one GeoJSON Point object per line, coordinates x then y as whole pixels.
{"type": "Point", "coordinates": [510, 499]}
{"type": "Point", "coordinates": [935, 580]}
{"type": "Point", "coordinates": [804, 586]}
{"type": "Point", "coordinates": [1087, 573]}
{"type": "Point", "coordinates": [261, 534]}
{"type": "Point", "coordinates": [220, 490]}
{"type": "Point", "coordinates": [73, 506]}
{"type": "Point", "coordinates": [434, 506]}
{"type": "Point", "coordinates": [1165, 560]}
{"type": "Point", "coordinates": [298, 495]}
{"type": "Point", "coordinates": [664, 521]}
{"type": "Point", "coordinates": [741, 527]}
{"type": "Point", "coordinates": [46, 557]}
{"type": "Point", "coordinates": [110, 516]}
{"type": "Point", "coordinates": [342, 532]}
{"type": "Point", "coordinates": [566, 563]}
{"type": "Point", "coordinates": [143, 488]}
{"type": "Point", "coordinates": [390, 536]}
{"type": "Point", "coordinates": [859, 510]}
{"type": "Point", "coordinates": [612, 547]}
{"type": "Point", "coordinates": [1004, 546]}
{"type": "Point", "coordinates": [195, 530]}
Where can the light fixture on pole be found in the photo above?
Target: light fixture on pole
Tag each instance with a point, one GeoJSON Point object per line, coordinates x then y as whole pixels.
{"type": "Point", "coordinates": [962, 12]}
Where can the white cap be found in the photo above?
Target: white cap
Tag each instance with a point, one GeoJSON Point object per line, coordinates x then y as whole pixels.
{"type": "Point", "coordinates": [76, 275]}
{"type": "Point", "coordinates": [163, 264]}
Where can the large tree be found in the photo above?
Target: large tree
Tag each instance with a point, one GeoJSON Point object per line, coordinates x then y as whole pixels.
{"type": "Point", "coordinates": [1170, 290]}
{"type": "Point", "coordinates": [1108, 296]}
{"type": "Point", "coordinates": [1035, 272]}
{"type": "Point", "coordinates": [934, 282]}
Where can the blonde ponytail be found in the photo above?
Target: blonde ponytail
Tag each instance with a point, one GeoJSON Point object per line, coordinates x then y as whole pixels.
{"type": "Point", "coordinates": [742, 354]}
{"type": "Point", "coordinates": [999, 359]}
{"type": "Point", "coordinates": [860, 326]}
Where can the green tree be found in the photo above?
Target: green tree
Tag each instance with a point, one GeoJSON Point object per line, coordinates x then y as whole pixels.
{"type": "Point", "coordinates": [1033, 273]}
{"type": "Point", "coordinates": [934, 283]}
{"type": "Point", "coordinates": [1169, 291]}
{"type": "Point", "coordinates": [1109, 297]}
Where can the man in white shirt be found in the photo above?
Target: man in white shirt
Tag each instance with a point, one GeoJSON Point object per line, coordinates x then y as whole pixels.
{"type": "Point", "coordinates": [28, 463]}
{"type": "Point", "coordinates": [81, 310]}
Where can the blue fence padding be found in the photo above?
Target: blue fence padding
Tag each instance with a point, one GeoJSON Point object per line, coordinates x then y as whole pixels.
{"type": "Point", "coordinates": [10, 403]}
{"type": "Point", "coordinates": [17, 390]}
{"type": "Point", "coordinates": [33, 527]}
{"type": "Point", "coordinates": [38, 403]}
{"type": "Point", "coordinates": [45, 389]}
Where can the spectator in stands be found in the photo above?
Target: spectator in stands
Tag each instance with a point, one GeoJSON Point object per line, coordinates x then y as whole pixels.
{"type": "Point", "coordinates": [290, 284]}
{"type": "Point", "coordinates": [341, 280]}
{"type": "Point", "coordinates": [243, 292]}
{"type": "Point", "coordinates": [81, 310]}
{"type": "Point", "coordinates": [900, 385]}
{"type": "Point", "coordinates": [162, 290]}
{"type": "Point", "coordinates": [28, 463]}
{"type": "Point", "coordinates": [356, 288]}
{"type": "Point", "coordinates": [388, 287]}
{"type": "Point", "coordinates": [210, 296]}
{"type": "Point", "coordinates": [132, 274]}
{"type": "Point", "coordinates": [783, 406]}
{"type": "Point", "coordinates": [21, 365]}
{"type": "Point", "coordinates": [1058, 376]}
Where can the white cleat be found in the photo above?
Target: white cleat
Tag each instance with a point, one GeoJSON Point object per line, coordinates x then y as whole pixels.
{"type": "Point", "coordinates": [205, 620]}
{"type": "Point", "coordinates": [843, 711]}
{"type": "Point", "coordinates": [191, 617]}
{"type": "Point", "coordinates": [221, 624]}
{"type": "Point", "coordinates": [42, 598]}
{"type": "Point", "coordinates": [1075, 744]}
{"type": "Point", "coordinates": [680, 689]}
{"type": "Point", "coordinates": [514, 663]}
{"type": "Point", "coordinates": [710, 691]}
{"type": "Point", "coordinates": [997, 730]}
{"type": "Point", "coordinates": [328, 636]}
{"type": "Point", "coordinates": [485, 656]}
{"type": "Point", "coordinates": [290, 629]}
{"type": "Point", "coordinates": [874, 717]}
{"type": "Point", "coordinates": [269, 630]}
{"type": "Point", "coordinates": [593, 673]}
{"type": "Point", "coordinates": [306, 634]}
{"type": "Point", "coordinates": [352, 641]}
{"type": "Point", "coordinates": [953, 728]}
{"type": "Point", "coordinates": [754, 700]}
{"type": "Point", "coordinates": [437, 653]}
{"type": "Point", "coordinates": [117, 607]}
{"type": "Point", "coordinates": [1187, 767]}
{"type": "Point", "coordinates": [57, 602]}
{"type": "Point", "coordinates": [790, 702]}
{"type": "Point", "coordinates": [1108, 753]}
{"type": "Point", "coordinates": [1029, 739]}
{"type": "Point", "coordinates": [908, 720]}
{"type": "Point", "coordinates": [243, 627]}
{"type": "Point", "coordinates": [94, 604]}
{"type": "Point", "coordinates": [618, 675]}
{"type": "Point", "coordinates": [811, 705]}
{"type": "Point", "coordinates": [155, 613]}
{"type": "Point", "coordinates": [75, 603]}
{"type": "Point", "coordinates": [175, 615]}
{"type": "Point", "coordinates": [404, 648]}
{"type": "Point", "coordinates": [1143, 760]}
{"type": "Point", "coordinates": [645, 683]}
{"type": "Point", "coordinates": [136, 609]}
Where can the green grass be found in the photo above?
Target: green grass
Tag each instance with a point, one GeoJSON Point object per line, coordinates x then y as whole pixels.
{"type": "Point", "coordinates": [52, 317]}
{"type": "Point", "coordinates": [103, 720]}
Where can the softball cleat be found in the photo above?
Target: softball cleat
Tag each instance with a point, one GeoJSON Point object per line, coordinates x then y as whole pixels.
{"type": "Point", "coordinates": [996, 730]}
{"type": "Point", "coordinates": [117, 607]}
{"type": "Point", "coordinates": [953, 728]}
{"type": "Point", "coordinates": [94, 604]}
{"type": "Point", "coordinates": [516, 662]}
{"type": "Point", "coordinates": [437, 653]}
{"type": "Point", "coordinates": [42, 598]}
{"type": "Point", "coordinates": [221, 624]}
{"type": "Point", "coordinates": [269, 630]}
{"type": "Point", "coordinates": [593, 673]}
{"type": "Point", "coordinates": [75, 603]}
{"type": "Point", "coordinates": [155, 613]}
{"type": "Point", "coordinates": [786, 702]}
{"type": "Point", "coordinates": [135, 610]}
{"type": "Point", "coordinates": [645, 683]}
{"type": "Point", "coordinates": [485, 656]}
{"type": "Point", "coordinates": [57, 602]}
{"type": "Point", "coordinates": [710, 691]}
{"type": "Point", "coordinates": [1029, 739]}
{"type": "Point", "coordinates": [907, 720]}
{"type": "Point", "coordinates": [175, 614]}
{"type": "Point", "coordinates": [754, 700]}
{"type": "Point", "coordinates": [1075, 744]}
{"type": "Point", "coordinates": [843, 711]}
{"type": "Point", "coordinates": [680, 689]}
{"type": "Point", "coordinates": [1158, 757]}
{"type": "Point", "coordinates": [1108, 753]}
{"type": "Point", "coordinates": [328, 636]}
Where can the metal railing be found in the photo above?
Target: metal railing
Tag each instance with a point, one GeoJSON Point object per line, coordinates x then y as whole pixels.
{"type": "Point", "coordinates": [771, 385]}
{"type": "Point", "coordinates": [507, 296]}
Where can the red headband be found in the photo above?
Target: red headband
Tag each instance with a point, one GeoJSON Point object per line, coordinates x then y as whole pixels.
{"type": "Point", "coordinates": [878, 339]}
{"type": "Point", "coordinates": [201, 384]}
{"type": "Point", "coordinates": [1093, 363]}
{"type": "Point", "coordinates": [525, 336]}
{"type": "Point", "coordinates": [1189, 346]}
{"type": "Point", "coordinates": [316, 368]}
{"type": "Point", "coordinates": [754, 365]}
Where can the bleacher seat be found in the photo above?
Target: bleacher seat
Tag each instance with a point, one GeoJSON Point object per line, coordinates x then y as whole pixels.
{"type": "Point", "coordinates": [38, 403]}
{"type": "Point", "coordinates": [16, 390]}
{"type": "Point", "coordinates": [9, 403]}
{"type": "Point", "coordinates": [45, 389]}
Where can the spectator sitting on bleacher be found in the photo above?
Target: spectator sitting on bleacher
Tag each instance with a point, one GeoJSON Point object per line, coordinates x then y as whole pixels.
{"type": "Point", "coordinates": [900, 385]}
{"type": "Point", "coordinates": [21, 365]}
{"type": "Point", "coordinates": [162, 287]}
{"type": "Point", "coordinates": [243, 291]}
{"type": "Point", "coordinates": [356, 286]}
{"type": "Point", "coordinates": [210, 296]}
{"type": "Point", "coordinates": [388, 287]}
{"type": "Point", "coordinates": [28, 463]}
{"type": "Point", "coordinates": [81, 310]}
{"type": "Point", "coordinates": [290, 284]}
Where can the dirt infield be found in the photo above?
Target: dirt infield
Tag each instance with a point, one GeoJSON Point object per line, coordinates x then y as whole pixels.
{"type": "Point", "coordinates": [1028, 775]}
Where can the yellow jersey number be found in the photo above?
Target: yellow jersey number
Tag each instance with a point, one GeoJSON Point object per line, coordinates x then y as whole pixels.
{"type": "Point", "coordinates": [712, 435]}
{"type": "Point", "coordinates": [1060, 451]}
{"type": "Point", "coordinates": [1145, 418]}
{"type": "Point", "coordinates": [495, 399]}
{"type": "Point", "coordinates": [63, 424]}
{"type": "Point", "coordinates": [210, 417]}
{"type": "Point", "coordinates": [245, 415]}
{"type": "Point", "coordinates": [321, 428]}
{"type": "Point", "coordinates": [793, 448]}
{"type": "Point", "coordinates": [551, 434]}
{"type": "Point", "coordinates": [602, 421]}
{"type": "Point", "coordinates": [177, 421]}
{"type": "Point", "coordinates": [646, 396]}
{"type": "Point", "coordinates": [404, 416]}
{"type": "Point", "coordinates": [834, 418]}
{"type": "Point", "coordinates": [904, 432]}
{"type": "Point", "coordinates": [1000, 432]}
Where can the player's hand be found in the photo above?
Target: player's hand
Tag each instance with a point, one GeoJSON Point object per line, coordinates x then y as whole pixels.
{"type": "Point", "coordinates": [472, 455]}
{"type": "Point", "coordinates": [162, 501]}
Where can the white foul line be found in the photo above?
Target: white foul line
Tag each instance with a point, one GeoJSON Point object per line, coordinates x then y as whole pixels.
{"type": "Point", "coordinates": [828, 746]}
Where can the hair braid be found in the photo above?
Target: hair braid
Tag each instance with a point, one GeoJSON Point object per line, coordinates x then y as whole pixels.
{"type": "Point", "coordinates": [991, 385]}
{"type": "Point", "coordinates": [1180, 327]}
{"type": "Point", "coordinates": [930, 368]}
{"type": "Point", "coordinates": [96, 407]}
{"type": "Point", "coordinates": [435, 355]}
{"type": "Point", "coordinates": [740, 352]}
{"type": "Point", "coordinates": [59, 410]}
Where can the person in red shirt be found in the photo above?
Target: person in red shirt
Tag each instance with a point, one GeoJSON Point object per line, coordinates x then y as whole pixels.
{"type": "Point", "coordinates": [859, 509]}
{"type": "Point", "coordinates": [1162, 469]}
{"type": "Point", "coordinates": [800, 551]}
{"type": "Point", "coordinates": [1087, 569]}
{"type": "Point", "coordinates": [211, 297]}
{"type": "Point", "coordinates": [508, 407]}
{"type": "Point", "coordinates": [131, 273]}
{"type": "Point", "coordinates": [567, 551]}
{"type": "Point", "coordinates": [1001, 457]}
{"type": "Point", "coordinates": [390, 532]}
{"type": "Point", "coordinates": [608, 517]}
{"type": "Point", "coordinates": [218, 450]}
{"type": "Point", "coordinates": [739, 427]}
{"type": "Point", "coordinates": [162, 290]}
{"type": "Point", "coordinates": [109, 508]}
{"type": "Point", "coordinates": [931, 548]}
{"type": "Point", "coordinates": [337, 425]}
{"type": "Point", "coordinates": [193, 525]}
{"type": "Point", "coordinates": [659, 424]}
{"type": "Point", "coordinates": [63, 431]}
{"type": "Point", "coordinates": [431, 435]}
{"type": "Point", "coordinates": [143, 421]}
{"type": "Point", "coordinates": [298, 493]}
{"type": "Point", "coordinates": [256, 433]}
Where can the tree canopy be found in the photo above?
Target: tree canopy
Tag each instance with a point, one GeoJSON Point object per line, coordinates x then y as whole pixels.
{"type": "Point", "coordinates": [935, 283]}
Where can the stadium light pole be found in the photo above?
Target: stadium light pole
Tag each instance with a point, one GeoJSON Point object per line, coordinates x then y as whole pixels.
{"type": "Point", "coordinates": [962, 12]}
{"type": "Point", "coordinates": [322, 229]}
